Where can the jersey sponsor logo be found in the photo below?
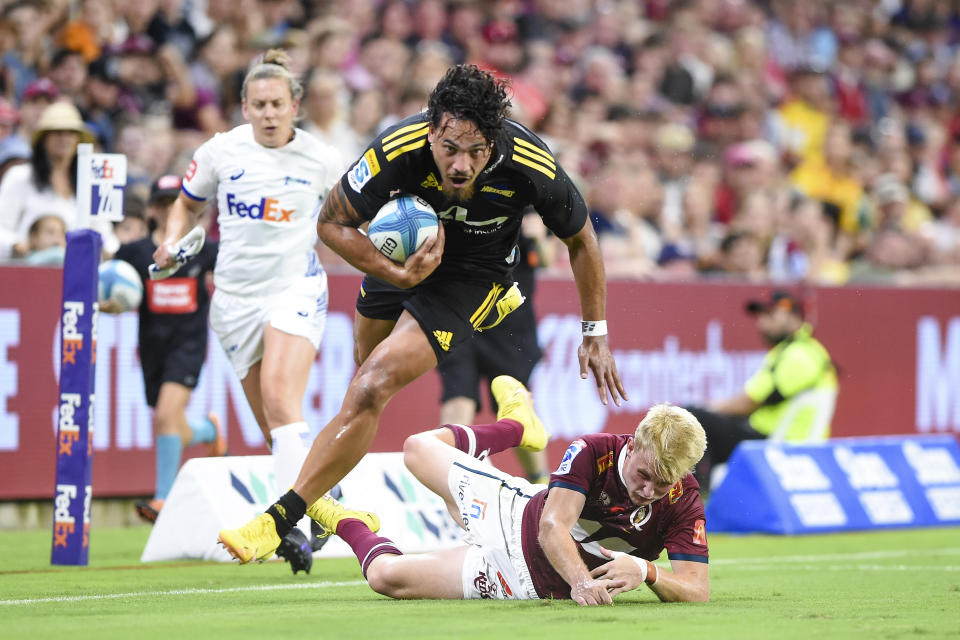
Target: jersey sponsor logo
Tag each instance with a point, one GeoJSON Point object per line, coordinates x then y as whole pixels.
{"type": "Point", "coordinates": [605, 462]}
{"type": "Point", "coordinates": [191, 170]}
{"type": "Point", "coordinates": [640, 516]}
{"type": "Point", "coordinates": [431, 182]}
{"type": "Point", "coordinates": [478, 509]}
{"type": "Point", "coordinates": [267, 209]}
{"type": "Point", "coordinates": [700, 532]}
{"type": "Point", "coordinates": [676, 492]}
{"type": "Point", "coordinates": [575, 448]}
{"type": "Point", "coordinates": [365, 169]}
{"type": "Point", "coordinates": [172, 296]}
{"type": "Point", "coordinates": [534, 157]}
{"type": "Point", "coordinates": [288, 180]}
{"type": "Point", "coordinates": [443, 339]}
{"type": "Point", "coordinates": [506, 193]}
{"type": "Point", "coordinates": [408, 138]}
{"type": "Point", "coordinates": [237, 176]}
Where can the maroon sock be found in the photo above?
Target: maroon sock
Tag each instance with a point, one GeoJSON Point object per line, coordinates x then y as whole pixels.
{"type": "Point", "coordinates": [482, 440]}
{"type": "Point", "coordinates": [366, 544]}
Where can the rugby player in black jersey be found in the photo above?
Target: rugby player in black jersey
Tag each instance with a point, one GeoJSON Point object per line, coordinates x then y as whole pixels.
{"type": "Point", "coordinates": [480, 171]}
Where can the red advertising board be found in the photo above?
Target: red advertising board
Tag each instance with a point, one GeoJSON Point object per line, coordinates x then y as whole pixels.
{"type": "Point", "coordinates": [898, 352]}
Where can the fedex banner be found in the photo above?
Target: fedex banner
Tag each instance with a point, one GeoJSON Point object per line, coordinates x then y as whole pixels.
{"type": "Point", "coordinates": [897, 351]}
{"type": "Point", "coordinates": [845, 484]}
{"type": "Point", "coordinates": [74, 437]}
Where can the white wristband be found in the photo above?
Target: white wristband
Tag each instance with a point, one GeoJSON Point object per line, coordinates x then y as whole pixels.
{"type": "Point", "coordinates": [594, 327]}
{"type": "Point", "coordinates": [640, 563]}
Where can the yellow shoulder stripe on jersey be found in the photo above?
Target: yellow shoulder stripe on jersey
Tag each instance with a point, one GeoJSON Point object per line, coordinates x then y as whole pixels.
{"type": "Point", "coordinates": [410, 147]}
{"type": "Point", "coordinates": [481, 313]}
{"type": "Point", "coordinates": [534, 165]}
{"type": "Point", "coordinates": [396, 142]}
{"type": "Point", "coordinates": [523, 145]}
{"type": "Point", "coordinates": [403, 130]}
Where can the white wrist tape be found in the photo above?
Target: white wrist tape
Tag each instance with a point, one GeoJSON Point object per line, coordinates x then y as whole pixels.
{"type": "Point", "coordinates": [640, 563]}
{"type": "Point", "coordinates": [181, 251]}
{"type": "Point", "coordinates": [594, 327]}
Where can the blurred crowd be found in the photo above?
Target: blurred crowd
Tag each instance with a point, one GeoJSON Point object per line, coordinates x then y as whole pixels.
{"type": "Point", "coordinates": [783, 140]}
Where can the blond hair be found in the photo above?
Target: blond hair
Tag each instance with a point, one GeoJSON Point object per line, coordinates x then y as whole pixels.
{"type": "Point", "coordinates": [674, 438]}
{"type": "Point", "coordinates": [275, 64]}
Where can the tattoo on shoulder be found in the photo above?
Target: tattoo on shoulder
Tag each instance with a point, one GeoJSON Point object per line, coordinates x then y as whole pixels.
{"type": "Point", "coordinates": [337, 209]}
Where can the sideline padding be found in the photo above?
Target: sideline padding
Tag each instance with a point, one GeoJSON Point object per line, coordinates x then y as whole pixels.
{"type": "Point", "coordinates": [842, 485]}
{"type": "Point", "coordinates": [210, 494]}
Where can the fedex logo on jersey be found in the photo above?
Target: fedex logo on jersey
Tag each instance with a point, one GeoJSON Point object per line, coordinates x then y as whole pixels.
{"type": "Point", "coordinates": [72, 338]}
{"type": "Point", "coordinates": [267, 209]}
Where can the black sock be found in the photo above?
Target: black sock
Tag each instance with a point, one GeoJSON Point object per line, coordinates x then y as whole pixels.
{"type": "Point", "coordinates": [287, 512]}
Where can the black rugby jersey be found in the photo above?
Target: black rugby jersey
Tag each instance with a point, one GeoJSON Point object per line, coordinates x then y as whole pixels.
{"type": "Point", "coordinates": [174, 307]}
{"type": "Point", "coordinates": [481, 233]}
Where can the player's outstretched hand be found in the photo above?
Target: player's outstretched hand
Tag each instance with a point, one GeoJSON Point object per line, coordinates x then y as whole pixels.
{"type": "Point", "coordinates": [594, 354]}
{"type": "Point", "coordinates": [591, 592]}
{"type": "Point", "coordinates": [624, 572]}
{"type": "Point", "coordinates": [424, 260]}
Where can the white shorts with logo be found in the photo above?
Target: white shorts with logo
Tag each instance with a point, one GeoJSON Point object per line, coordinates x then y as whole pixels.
{"type": "Point", "coordinates": [300, 310]}
{"type": "Point", "coordinates": [491, 506]}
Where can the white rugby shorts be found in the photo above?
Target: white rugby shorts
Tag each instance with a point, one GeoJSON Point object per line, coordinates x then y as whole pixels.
{"type": "Point", "coordinates": [491, 506]}
{"type": "Point", "coordinates": [300, 310]}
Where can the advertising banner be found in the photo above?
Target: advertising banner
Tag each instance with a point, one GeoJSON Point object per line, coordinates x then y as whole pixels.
{"type": "Point", "coordinates": [845, 484]}
{"type": "Point", "coordinates": [74, 441]}
{"type": "Point", "coordinates": [897, 352]}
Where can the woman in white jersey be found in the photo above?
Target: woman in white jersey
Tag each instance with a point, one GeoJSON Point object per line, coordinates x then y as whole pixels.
{"type": "Point", "coordinates": [270, 304]}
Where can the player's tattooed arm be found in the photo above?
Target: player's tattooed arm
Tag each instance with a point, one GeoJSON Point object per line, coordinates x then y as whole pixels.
{"type": "Point", "coordinates": [337, 209]}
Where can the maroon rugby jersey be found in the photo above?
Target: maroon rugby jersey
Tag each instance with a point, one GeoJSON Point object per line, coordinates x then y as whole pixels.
{"type": "Point", "coordinates": [592, 466]}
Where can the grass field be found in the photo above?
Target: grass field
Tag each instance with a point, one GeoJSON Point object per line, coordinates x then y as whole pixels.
{"type": "Point", "coordinates": [893, 584]}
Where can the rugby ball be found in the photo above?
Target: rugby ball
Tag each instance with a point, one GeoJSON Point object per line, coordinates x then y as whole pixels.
{"type": "Point", "coordinates": [121, 284]}
{"type": "Point", "coordinates": [401, 226]}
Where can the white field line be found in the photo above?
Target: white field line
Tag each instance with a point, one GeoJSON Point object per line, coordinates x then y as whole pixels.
{"type": "Point", "coordinates": [812, 561]}
{"type": "Point", "coordinates": [182, 592]}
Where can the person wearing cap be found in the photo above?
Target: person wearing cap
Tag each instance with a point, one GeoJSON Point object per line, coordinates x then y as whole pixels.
{"type": "Point", "coordinates": [38, 95]}
{"type": "Point", "coordinates": [172, 344]}
{"type": "Point", "coordinates": [48, 183]}
{"type": "Point", "coordinates": [791, 397]}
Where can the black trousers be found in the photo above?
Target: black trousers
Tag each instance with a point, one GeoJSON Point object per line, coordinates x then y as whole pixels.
{"type": "Point", "coordinates": [724, 433]}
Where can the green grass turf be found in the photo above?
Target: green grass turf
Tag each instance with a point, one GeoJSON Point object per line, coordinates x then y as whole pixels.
{"type": "Point", "coordinates": [892, 584]}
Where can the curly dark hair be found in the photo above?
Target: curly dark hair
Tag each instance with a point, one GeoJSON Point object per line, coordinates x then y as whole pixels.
{"type": "Point", "coordinates": [468, 93]}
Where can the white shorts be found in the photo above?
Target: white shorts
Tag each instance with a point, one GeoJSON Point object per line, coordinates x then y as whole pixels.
{"type": "Point", "coordinates": [491, 506]}
{"type": "Point", "coordinates": [300, 310]}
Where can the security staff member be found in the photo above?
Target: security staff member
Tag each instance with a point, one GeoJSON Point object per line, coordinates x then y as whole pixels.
{"type": "Point", "coordinates": [791, 398]}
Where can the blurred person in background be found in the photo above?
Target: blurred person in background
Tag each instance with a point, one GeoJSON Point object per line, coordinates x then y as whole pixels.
{"type": "Point", "coordinates": [38, 95]}
{"type": "Point", "coordinates": [47, 184]}
{"type": "Point", "coordinates": [13, 151]}
{"type": "Point", "coordinates": [172, 333]}
{"type": "Point", "coordinates": [791, 397]}
{"type": "Point", "coordinates": [46, 241]}
{"type": "Point", "coordinates": [325, 105]}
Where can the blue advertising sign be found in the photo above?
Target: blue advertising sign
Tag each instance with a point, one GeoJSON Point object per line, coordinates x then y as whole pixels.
{"type": "Point", "coordinates": [842, 484]}
{"type": "Point", "coordinates": [78, 346]}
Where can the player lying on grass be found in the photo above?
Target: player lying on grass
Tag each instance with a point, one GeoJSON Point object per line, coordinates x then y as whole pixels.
{"type": "Point", "coordinates": [614, 503]}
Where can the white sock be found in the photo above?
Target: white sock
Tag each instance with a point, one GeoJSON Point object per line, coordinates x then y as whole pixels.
{"type": "Point", "coordinates": [289, 452]}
